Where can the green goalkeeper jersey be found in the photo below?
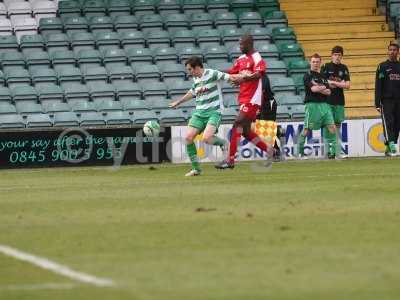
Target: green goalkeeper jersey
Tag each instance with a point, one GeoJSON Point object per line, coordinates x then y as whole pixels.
{"type": "Point", "coordinates": [207, 90]}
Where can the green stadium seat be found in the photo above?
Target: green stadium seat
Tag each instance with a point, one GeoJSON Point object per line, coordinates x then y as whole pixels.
{"type": "Point", "coordinates": [207, 37]}
{"type": "Point", "coordinates": [260, 34]}
{"type": "Point", "coordinates": [91, 119]}
{"type": "Point", "coordinates": [298, 80]}
{"type": "Point", "coordinates": [38, 120]}
{"type": "Point", "coordinates": [283, 34]}
{"type": "Point", "coordinates": [142, 116]}
{"type": "Point", "coordinates": [101, 24]}
{"type": "Point", "coordinates": [154, 90]}
{"type": "Point", "coordinates": [57, 42]}
{"type": "Point", "coordinates": [282, 112]}
{"type": "Point", "coordinates": [27, 108]}
{"type": "Point", "coordinates": [83, 106]}
{"type": "Point", "coordinates": [132, 105]}
{"type": "Point", "coordinates": [166, 7]}
{"type": "Point", "coordinates": [151, 21]}
{"type": "Point", "coordinates": [194, 6]}
{"type": "Point", "coordinates": [100, 92]}
{"type": "Point", "coordinates": [241, 6]}
{"type": "Point", "coordinates": [75, 24]}
{"type": "Point", "coordinates": [127, 90]}
{"type": "Point", "coordinates": [276, 67]}
{"type": "Point", "coordinates": [225, 20]}
{"type": "Point", "coordinates": [2, 79]}
{"type": "Point", "coordinates": [95, 75]}
{"type": "Point", "coordinates": [76, 92]}
{"type": "Point", "coordinates": [55, 107]}
{"type": "Point", "coordinates": [94, 8]}
{"type": "Point", "coordinates": [231, 36]}
{"type": "Point", "coordinates": [139, 55]}
{"type": "Point", "coordinates": [298, 66]}
{"type": "Point", "coordinates": [17, 77]}
{"type": "Point", "coordinates": [69, 9]}
{"type": "Point", "coordinates": [250, 19]}
{"type": "Point", "coordinates": [222, 66]}
{"type": "Point", "coordinates": [43, 76]}
{"type": "Point", "coordinates": [125, 23]}
{"type": "Point", "coordinates": [288, 99]}
{"type": "Point", "coordinates": [288, 51]}
{"type": "Point", "coordinates": [109, 105]}
{"type": "Point", "coordinates": [118, 118]}
{"type": "Point", "coordinates": [216, 54]}
{"type": "Point", "coordinates": [89, 58]}
{"type": "Point", "coordinates": [30, 43]}
{"type": "Point", "coordinates": [170, 72]}
{"type": "Point", "coordinates": [23, 93]}
{"type": "Point", "coordinates": [50, 93]}
{"type": "Point", "coordinates": [230, 101]}
{"type": "Point", "coordinates": [158, 38]}
{"type": "Point", "coordinates": [5, 94]}
{"type": "Point", "coordinates": [158, 104]}
{"type": "Point", "coordinates": [120, 74]}
{"type": "Point", "coordinates": [8, 43]}
{"type": "Point", "coordinates": [50, 25]}
{"type": "Point", "coordinates": [144, 7]}
{"type": "Point", "coordinates": [7, 108]}
{"type": "Point", "coordinates": [174, 22]}
{"type": "Point", "coordinates": [218, 6]}
{"type": "Point", "coordinates": [119, 8]}
{"type": "Point", "coordinates": [201, 20]}
{"type": "Point", "coordinates": [114, 57]}
{"type": "Point", "coordinates": [274, 19]}
{"type": "Point", "coordinates": [169, 116]}
{"type": "Point", "coordinates": [282, 84]}
{"type": "Point", "coordinates": [147, 74]}
{"type": "Point", "coordinates": [107, 40]}
{"type": "Point", "coordinates": [271, 4]}
{"type": "Point", "coordinates": [82, 41]}
{"type": "Point", "coordinates": [234, 52]}
{"type": "Point", "coordinates": [228, 89]}
{"type": "Point", "coordinates": [65, 119]}
{"type": "Point", "coordinates": [188, 51]}
{"type": "Point", "coordinates": [11, 121]}
{"type": "Point", "coordinates": [132, 39]}
{"type": "Point", "coordinates": [229, 114]}
{"type": "Point", "coordinates": [178, 89]}
{"type": "Point", "coordinates": [67, 74]}
{"type": "Point", "coordinates": [37, 60]}
{"type": "Point", "coordinates": [297, 111]}
{"type": "Point", "coordinates": [165, 54]}
{"type": "Point", "coordinates": [12, 60]}
{"type": "Point", "coordinates": [267, 50]}
{"type": "Point", "coordinates": [63, 57]}
{"type": "Point", "coordinates": [183, 38]}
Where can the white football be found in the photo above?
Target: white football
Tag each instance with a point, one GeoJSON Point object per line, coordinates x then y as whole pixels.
{"type": "Point", "coordinates": [151, 128]}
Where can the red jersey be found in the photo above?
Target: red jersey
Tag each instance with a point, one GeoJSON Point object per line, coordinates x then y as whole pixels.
{"type": "Point", "coordinates": [250, 91]}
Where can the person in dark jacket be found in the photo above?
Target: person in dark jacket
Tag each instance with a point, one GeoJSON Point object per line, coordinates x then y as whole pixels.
{"type": "Point", "coordinates": [387, 97]}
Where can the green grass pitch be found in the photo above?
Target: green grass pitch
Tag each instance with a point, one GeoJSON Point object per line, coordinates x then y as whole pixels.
{"type": "Point", "coordinates": [327, 230]}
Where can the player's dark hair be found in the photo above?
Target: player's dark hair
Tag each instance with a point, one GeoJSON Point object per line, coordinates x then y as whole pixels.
{"type": "Point", "coordinates": [337, 49]}
{"type": "Point", "coordinates": [393, 44]}
{"type": "Point", "coordinates": [316, 55]}
{"type": "Point", "coordinates": [194, 61]}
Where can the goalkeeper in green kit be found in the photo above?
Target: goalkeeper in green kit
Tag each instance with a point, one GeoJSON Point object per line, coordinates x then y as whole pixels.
{"type": "Point", "coordinates": [206, 118]}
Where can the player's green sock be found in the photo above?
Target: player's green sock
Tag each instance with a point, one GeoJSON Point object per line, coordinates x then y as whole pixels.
{"type": "Point", "coordinates": [331, 141]}
{"type": "Point", "coordinates": [192, 153]}
{"type": "Point", "coordinates": [302, 141]}
{"type": "Point", "coordinates": [217, 141]}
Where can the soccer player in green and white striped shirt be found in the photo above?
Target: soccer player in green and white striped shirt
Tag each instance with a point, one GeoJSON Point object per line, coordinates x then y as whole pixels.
{"type": "Point", "coordinates": [206, 117]}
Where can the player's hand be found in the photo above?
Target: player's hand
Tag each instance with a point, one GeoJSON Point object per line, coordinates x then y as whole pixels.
{"type": "Point", "coordinates": [378, 109]}
{"type": "Point", "coordinates": [173, 104]}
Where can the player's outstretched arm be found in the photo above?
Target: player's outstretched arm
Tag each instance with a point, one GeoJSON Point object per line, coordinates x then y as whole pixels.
{"type": "Point", "coordinates": [185, 98]}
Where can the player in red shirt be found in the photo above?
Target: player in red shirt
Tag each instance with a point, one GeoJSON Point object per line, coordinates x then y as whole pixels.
{"type": "Point", "coordinates": [252, 68]}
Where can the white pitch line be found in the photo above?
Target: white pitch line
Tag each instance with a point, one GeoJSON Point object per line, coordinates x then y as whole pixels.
{"type": "Point", "coordinates": [44, 263]}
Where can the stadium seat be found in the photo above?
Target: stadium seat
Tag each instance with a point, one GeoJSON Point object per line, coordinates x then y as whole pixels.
{"type": "Point", "coordinates": [8, 43]}
{"type": "Point", "coordinates": [179, 89]}
{"type": "Point", "coordinates": [241, 6]}
{"type": "Point", "coordinates": [234, 52]}
{"type": "Point", "coordinates": [288, 99]}
{"type": "Point", "coordinates": [158, 38]}
{"type": "Point", "coordinates": [168, 116]}
{"type": "Point", "coordinates": [201, 20]}
{"type": "Point", "coordinates": [108, 105]}
{"type": "Point", "coordinates": [119, 8]}
{"type": "Point", "coordinates": [120, 74]}
{"type": "Point", "coordinates": [91, 119]}
{"type": "Point", "coordinates": [17, 77]}
{"type": "Point", "coordinates": [298, 80]}
{"type": "Point", "coordinates": [101, 92]}
{"type": "Point", "coordinates": [114, 57]}
{"type": "Point", "coordinates": [144, 7]}
{"type": "Point", "coordinates": [216, 54]}
{"type": "Point", "coordinates": [118, 118]}
{"type": "Point", "coordinates": [50, 25]}
{"type": "Point", "coordinates": [75, 24]}
{"type": "Point", "coordinates": [297, 111]}
{"type": "Point", "coordinates": [139, 55]}
{"type": "Point", "coordinates": [229, 114]}
{"type": "Point", "coordinates": [3, 11]}
{"type": "Point", "coordinates": [83, 106]}
{"type": "Point", "coordinates": [267, 4]}
{"type": "Point", "coordinates": [38, 120]}
{"type": "Point", "coordinates": [275, 19]}
{"type": "Point", "coordinates": [33, 43]}
{"type": "Point", "coordinates": [147, 74]}
{"type": "Point", "coordinates": [44, 9]}
{"type": "Point", "coordinates": [69, 9]}
{"type": "Point", "coordinates": [12, 60]}
{"type": "Point", "coordinates": [231, 36]}
{"type": "Point", "coordinates": [23, 93]}
{"type": "Point", "coordinates": [132, 39]}
{"type": "Point", "coordinates": [208, 37]}
{"type": "Point", "coordinates": [166, 7]}
{"type": "Point", "coordinates": [25, 26]}
{"type": "Point", "coordinates": [94, 8]}
{"type": "Point", "coordinates": [142, 116]}
{"type": "Point", "coordinates": [154, 90]}
{"type": "Point", "coordinates": [218, 6]}
{"type": "Point", "coordinates": [250, 19]}
{"type": "Point", "coordinates": [55, 107]}
{"type": "Point", "coordinates": [2, 79]}
{"type": "Point", "coordinates": [67, 74]}
{"type": "Point", "coordinates": [11, 121]}
{"type": "Point", "coordinates": [101, 24]}
{"type": "Point", "coordinates": [158, 104]}
{"type": "Point", "coordinates": [125, 23]}
{"type": "Point", "coordinates": [5, 27]}
{"type": "Point", "coordinates": [183, 38]}
{"type": "Point", "coordinates": [298, 66]}
{"type": "Point", "coordinates": [82, 41]}
{"type": "Point", "coordinates": [170, 72]}
{"type": "Point", "coordinates": [222, 66]}
{"type": "Point", "coordinates": [260, 34]}
{"type": "Point", "coordinates": [28, 108]}
{"type": "Point", "coordinates": [288, 51]}
{"type": "Point", "coordinates": [5, 94]}
{"type": "Point", "coordinates": [282, 84]}
{"type": "Point", "coordinates": [132, 105]}
{"type": "Point", "coordinates": [63, 57]}
{"type": "Point", "coordinates": [7, 108]}
{"type": "Point", "coordinates": [57, 42]}
{"type": "Point", "coordinates": [76, 92]}
{"type": "Point", "coordinates": [107, 41]}
{"type": "Point", "coordinates": [283, 34]}
{"type": "Point", "coordinates": [230, 101]}
{"type": "Point", "coordinates": [95, 75]}
{"type": "Point", "coordinates": [282, 112]}
{"type": "Point", "coordinates": [194, 6]}
{"type": "Point", "coordinates": [225, 20]}
{"type": "Point", "coordinates": [165, 54]}
{"type": "Point", "coordinates": [188, 51]}
{"type": "Point", "coordinates": [276, 67]}
{"type": "Point", "coordinates": [127, 90]}
{"type": "Point", "coordinates": [228, 89]}
{"type": "Point", "coordinates": [50, 93]}
{"type": "Point", "coordinates": [267, 50]}
{"type": "Point", "coordinates": [19, 10]}
{"type": "Point", "coordinates": [151, 21]}
{"type": "Point", "coordinates": [43, 76]}
{"type": "Point", "coordinates": [65, 119]}
{"type": "Point", "coordinates": [176, 21]}
{"type": "Point", "coordinates": [89, 58]}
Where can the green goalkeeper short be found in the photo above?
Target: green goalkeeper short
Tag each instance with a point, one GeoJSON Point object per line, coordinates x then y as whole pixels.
{"type": "Point", "coordinates": [317, 115]}
{"type": "Point", "coordinates": [200, 119]}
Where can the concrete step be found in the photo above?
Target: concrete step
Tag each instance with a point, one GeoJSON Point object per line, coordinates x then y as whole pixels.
{"type": "Point", "coordinates": [335, 28]}
{"type": "Point", "coordinates": [346, 36]}
{"type": "Point", "coordinates": [332, 19]}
